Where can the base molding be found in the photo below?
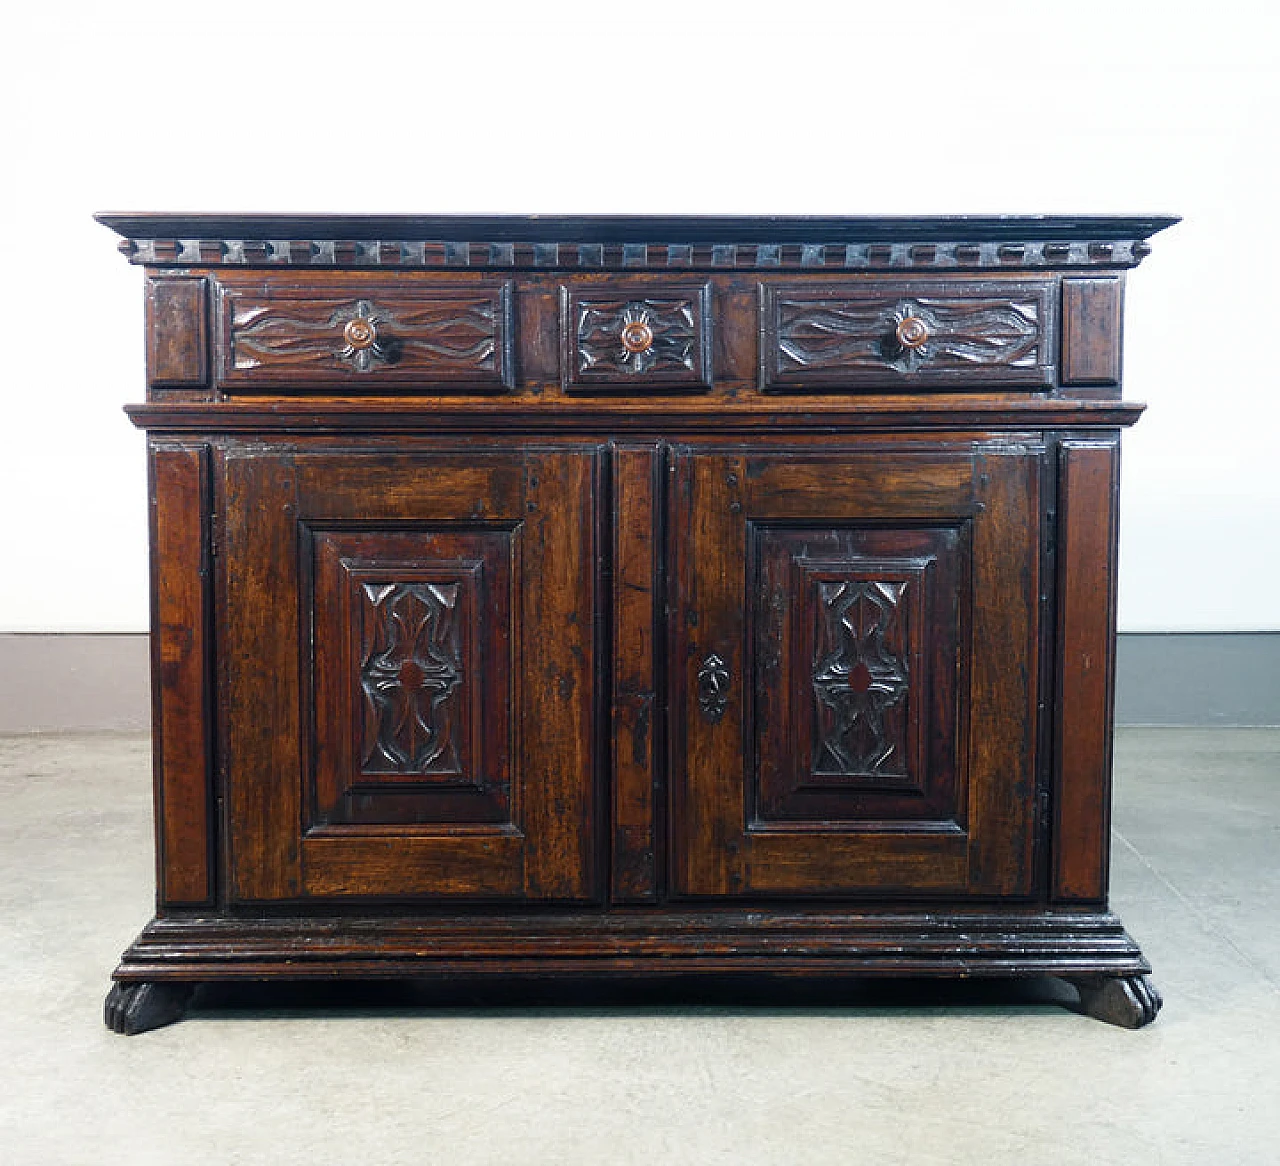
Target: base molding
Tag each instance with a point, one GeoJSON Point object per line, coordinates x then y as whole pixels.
{"type": "Point", "coordinates": [954, 943]}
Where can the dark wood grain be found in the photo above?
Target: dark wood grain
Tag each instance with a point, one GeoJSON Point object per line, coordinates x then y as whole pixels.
{"type": "Point", "coordinates": [893, 941]}
{"type": "Point", "coordinates": [1088, 482]}
{"type": "Point", "coordinates": [181, 673]}
{"type": "Point", "coordinates": [540, 417]}
{"type": "Point", "coordinates": [635, 338]}
{"type": "Point", "coordinates": [177, 333]}
{"type": "Point", "coordinates": [974, 833]}
{"type": "Point", "coordinates": [851, 335]}
{"type": "Point", "coordinates": [1091, 318]}
{"type": "Point", "coordinates": [278, 335]}
{"type": "Point", "coordinates": [259, 600]}
{"type": "Point", "coordinates": [557, 624]}
{"type": "Point", "coordinates": [507, 816]}
{"type": "Point", "coordinates": [636, 719]}
{"type": "Point", "coordinates": [1003, 670]}
{"type": "Point", "coordinates": [633, 597]}
{"type": "Point", "coordinates": [857, 653]}
{"type": "Point", "coordinates": [411, 666]}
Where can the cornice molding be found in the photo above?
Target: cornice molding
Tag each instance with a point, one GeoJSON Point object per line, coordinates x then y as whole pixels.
{"type": "Point", "coordinates": [604, 244]}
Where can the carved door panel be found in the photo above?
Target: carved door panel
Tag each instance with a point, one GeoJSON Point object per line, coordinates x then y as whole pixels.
{"type": "Point", "coordinates": [407, 677]}
{"type": "Point", "coordinates": [853, 672]}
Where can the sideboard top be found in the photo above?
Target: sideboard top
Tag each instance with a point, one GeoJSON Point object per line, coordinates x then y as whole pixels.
{"type": "Point", "coordinates": [635, 241]}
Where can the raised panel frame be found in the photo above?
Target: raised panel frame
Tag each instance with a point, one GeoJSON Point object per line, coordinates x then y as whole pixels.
{"type": "Point", "coordinates": [372, 759]}
{"type": "Point", "coordinates": [915, 669]}
{"type": "Point", "coordinates": [988, 848]}
{"type": "Point", "coordinates": [549, 849]}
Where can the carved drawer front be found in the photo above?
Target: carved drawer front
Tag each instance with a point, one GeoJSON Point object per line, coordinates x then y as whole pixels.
{"type": "Point", "coordinates": [618, 337]}
{"type": "Point", "coordinates": [366, 337]}
{"type": "Point", "coordinates": [913, 334]}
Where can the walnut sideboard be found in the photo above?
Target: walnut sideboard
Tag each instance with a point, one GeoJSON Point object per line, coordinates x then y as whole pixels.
{"type": "Point", "coordinates": [632, 596]}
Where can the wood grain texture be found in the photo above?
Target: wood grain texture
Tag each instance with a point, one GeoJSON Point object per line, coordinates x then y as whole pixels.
{"type": "Point", "coordinates": [1088, 481]}
{"type": "Point", "coordinates": [600, 418]}
{"type": "Point", "coordinates": [974, 837]}
{"type": "Point", "coordinates": [849, 335]}
{"type": "Point", "coordinates": [412, 697]}
{"type": "Point", "coordinates": [560, 783]}
{"type": "Point", "coordinates": [707, 615]}
{"type": "Point", "coordinates": [177, 333]}
{"type": "Point", "coordinates": [631, 338]}
{"type": "Point", "coordinates": [181, 662]}
{"type": "Point", "coordinates": [636, 716]}
{"type": "Point", "coordinates": [943, 941]}
{"type": "Point", "coordinates": [1091, 325]}
{"type": "Point", "coordinates": [1003, 670]}
{"type": "Point", "coordinates": [520, 822]}
{"type": "Point", "coordinates": [633, 596]}
{"type": "Point", "coordinates": [857, 654]}
{"type": "Point", "coordinates": [280, 335]}
{"type": "Point", "coordinates": [262, 738]}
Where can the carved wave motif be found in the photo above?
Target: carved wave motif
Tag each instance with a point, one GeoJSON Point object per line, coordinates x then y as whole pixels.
{"type": "Point", "coordinates": [834, 335]}
{"type": "Point", "coordinates": [452, 336]}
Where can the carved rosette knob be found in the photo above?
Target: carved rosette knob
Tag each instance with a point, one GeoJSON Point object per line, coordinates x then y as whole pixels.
{"type": "Point", "coordinates": [637, 336]}
{"type": "Point", "coordinates": [361, 342]}
{"type": "Point", "coordinates": [911, 333]}
{"type": "Point", "coordinates": [360, 333]}
{"type": "Point", "coordinates": [907, 341]}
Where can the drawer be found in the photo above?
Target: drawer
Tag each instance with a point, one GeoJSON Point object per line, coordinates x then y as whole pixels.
{"type": "Point", "coordinates": [365, 336]}
{"type": "Point", "coordinates": [906, 335]}
{"type": "Point", "coordinates": [622, 338]}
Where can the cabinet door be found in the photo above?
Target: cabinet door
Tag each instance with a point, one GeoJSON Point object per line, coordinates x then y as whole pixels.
{"type": "Point", "coordinates": [854, 666]}
{"type": "Point", "coordinates": [407, 675]}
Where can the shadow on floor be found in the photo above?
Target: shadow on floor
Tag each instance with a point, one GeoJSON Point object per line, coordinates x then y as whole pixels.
{"type": "Point", "coordinates": [668, 996]}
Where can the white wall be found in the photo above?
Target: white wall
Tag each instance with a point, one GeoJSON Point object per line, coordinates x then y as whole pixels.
{"type": "Point", "coordinates": [908, 108]}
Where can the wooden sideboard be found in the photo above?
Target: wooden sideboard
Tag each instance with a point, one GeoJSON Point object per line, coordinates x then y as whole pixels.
{"type": "Point", "coordinates": [632, 596]}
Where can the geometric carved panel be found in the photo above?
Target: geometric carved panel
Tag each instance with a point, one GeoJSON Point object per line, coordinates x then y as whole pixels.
{"type": "Point", "coordinates": [859, 678]}
{"type": "Point", "coordinates": [411, 671]}
{"type": "Point", "coordinates": [630, 338]}
{"type": "Point", "coordinates": [857, 649]}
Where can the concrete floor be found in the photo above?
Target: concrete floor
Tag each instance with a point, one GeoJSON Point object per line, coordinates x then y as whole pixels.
{"type": "Point", "coordinates": [915, 1074]}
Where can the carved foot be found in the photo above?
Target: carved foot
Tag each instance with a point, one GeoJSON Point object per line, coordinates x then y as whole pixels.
{"type": "Point", "coordinates": [1129, 1001]}
{"type": "Point", "coordinates": [137, 1007]}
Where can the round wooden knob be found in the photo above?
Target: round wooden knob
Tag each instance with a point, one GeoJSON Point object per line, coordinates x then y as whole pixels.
{"type": "Point", "coordinates": [912, 332]}
{"type": "Point", "coordinates": [637, 336]}
{"type": "Point", "coordinates": [360, 333]}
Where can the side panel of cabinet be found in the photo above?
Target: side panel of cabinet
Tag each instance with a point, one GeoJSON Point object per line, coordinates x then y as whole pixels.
{"type": "Point", "coordinates": [409, 675]}
{"type": "Point", "coordinates": [180, 673]}
{"type": "Point", "coordinates": [853, 669]}
{"type": "Point", "coordinates": [1087, 493]}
